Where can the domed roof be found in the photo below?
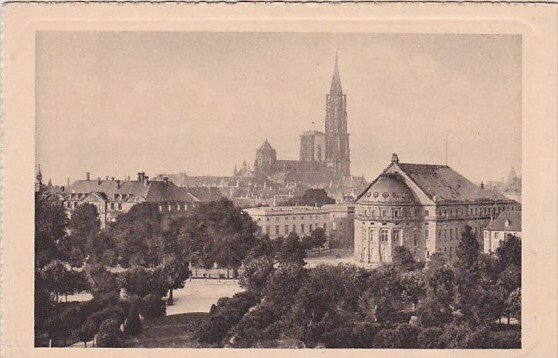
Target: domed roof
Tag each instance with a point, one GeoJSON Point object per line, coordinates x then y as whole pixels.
{"type": "Point", "coordinates": [389, 188]}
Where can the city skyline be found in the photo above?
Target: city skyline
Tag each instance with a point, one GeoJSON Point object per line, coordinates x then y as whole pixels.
{"type": "Point", "coordinates": [172, 89]}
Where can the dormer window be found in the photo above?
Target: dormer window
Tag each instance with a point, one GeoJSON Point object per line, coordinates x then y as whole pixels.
{"type": "Point", "coordinates": [507, 223]}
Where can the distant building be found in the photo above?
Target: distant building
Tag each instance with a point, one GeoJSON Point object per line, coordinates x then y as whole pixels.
{"type": "Point", "coordinates": [424, 208]}
{"type": "Point", "coordinates": [282, 220]}
{"type": "Point", "coordinates": [341, 224]}
{"type": "Point", "coordinates": [324, 156]}
{"type": "Point", "coordinates": [312, 147]}
{"type": "Point", "coordinates": [113, 197]}
{"type": "Point", "coordinates": [508, 222]}
{"type": "Point", "coordinates": [510, 187]}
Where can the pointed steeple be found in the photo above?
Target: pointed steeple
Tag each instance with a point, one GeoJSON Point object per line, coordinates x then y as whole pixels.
{"type": "Point", "coordinates": [39, 176]}
{"type": "Point", "coordinates": [336, 88]}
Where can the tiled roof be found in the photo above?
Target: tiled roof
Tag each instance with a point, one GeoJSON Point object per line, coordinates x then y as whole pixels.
{"type": "Point", "coordinates": [441, 183]}
{"type": "Point", "coordinates": [131, 191]}
{"type": "Point", "coordinates": [511, 218]}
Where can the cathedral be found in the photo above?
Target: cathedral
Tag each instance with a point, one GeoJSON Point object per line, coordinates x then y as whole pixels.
{"type": "Point", "coordinates": [324, 156]}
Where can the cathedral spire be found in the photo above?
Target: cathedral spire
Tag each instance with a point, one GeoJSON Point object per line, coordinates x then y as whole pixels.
{"type": "Point", "coordinates": [336, 80]}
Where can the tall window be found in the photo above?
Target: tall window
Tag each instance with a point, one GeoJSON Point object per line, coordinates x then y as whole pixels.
{"type": "Point", "coordinates": [311, 227]}
{"type": "Point", "coordinates": [276, 229]}
{"type": "Point", "coordinates": [267, 230]}
{"type": "Point", "coordinates": [286, 229]}
{"type": "Point", "coordinates": [294, 228]}
{"type": "Point", "coordinates": [302, 228]}
{"type": "Point", "coordinates": [384, 235]}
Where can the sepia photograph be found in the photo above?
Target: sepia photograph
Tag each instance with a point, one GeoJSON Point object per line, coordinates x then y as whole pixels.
{"type": "Point", "coordinates": [316, 190]}
{"type": "Point", "coordinates": [280, 187]}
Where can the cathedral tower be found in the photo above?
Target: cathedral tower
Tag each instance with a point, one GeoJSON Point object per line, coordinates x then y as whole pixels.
{"type": "Point", "coordinates": [337, 153]}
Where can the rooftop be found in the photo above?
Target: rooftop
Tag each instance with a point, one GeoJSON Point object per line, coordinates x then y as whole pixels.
{"type": "Point", "coordinates": [506, 221]}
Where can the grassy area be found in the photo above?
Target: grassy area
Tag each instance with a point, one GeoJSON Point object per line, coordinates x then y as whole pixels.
{"type": "Point", "coordinates": [174, 331]}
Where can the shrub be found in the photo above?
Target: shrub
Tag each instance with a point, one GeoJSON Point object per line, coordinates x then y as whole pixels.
{"type": "Point", "coordinates": [386, 338]}
{"type": "Point", "coordinates": [430, 337]}
{"type": "Point", "coordinates": [363, 334]}
{"type": "Point", "coordinates": [110, 334]}
{"type": "Point", "coordinates": [408, 335]}
{"type": "Point", "coordinates": [228, 312]}
{"type": "Point", "coordinates": [506, 339]}
{"type": "Point", "coordinates": [153, 306]}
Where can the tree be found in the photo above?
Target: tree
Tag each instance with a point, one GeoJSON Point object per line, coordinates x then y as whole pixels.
{"type": "Point", "coordinates": [291, 250]}
{"type": "Point", "coordinates": [311, 197]}
{"type": "Point", "coordinates": [509, 252]}
{"type": "Point", "coordinates": [513, 304]}
{"type": "Point", "coordinates": [407, 335]}
{"type": "Point", "coordinates": [219, 233]}
{"type": "Point", "coordinates": [318, 237]}
{"type": "Point", "coordinates": [387, 338]}
{"type": "Point", "coordinates": [228, 312]}
{"type": "Point", "coordinates": [132, 325]}
{"type": "Point", "coordinates": [403, 258]}
{"type": "Point", "coordinates": [142, 282]}
{"type": "Point", "coordinates": [430, 338]}
{"type": "Point", "coordinates": [84, 221]}
{"type": "Point", "coordinates": [413, 284]}
{"type": "Point", "coordinates": [58, 280]}
{"type": "Point", "coordinates": [110, 334]}
{"type": "Point", "coordinates": [138, 235]}
{"type": "Point", "coordinates": [255, 326]}
{"type": "Point", "coordinates": [50, 230]}
{"type": "Point", "coordinates": [256, 272]}
{"type": "Point", "coordinates": [153, 306]}
{"type": "Point", "coordinates": [102, 283]}
{"type": "Point", "coordinates": [468, 250]}
{"type": "Point", "coordinates": [174, 272]}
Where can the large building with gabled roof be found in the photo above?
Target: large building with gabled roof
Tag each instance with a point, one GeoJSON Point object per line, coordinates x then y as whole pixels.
{"type": "Point", "coordinates": [113, 197]}
{"type": "Point", "coordinates": [424, 208]}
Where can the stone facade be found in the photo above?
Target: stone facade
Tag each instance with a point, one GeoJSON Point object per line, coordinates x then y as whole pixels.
{"type": "Point", "coordinates": [282, 220]}
{"type": "Point", "coordinates": [424, 208]}
{"type": "Point", "coordinates": [507, 223]}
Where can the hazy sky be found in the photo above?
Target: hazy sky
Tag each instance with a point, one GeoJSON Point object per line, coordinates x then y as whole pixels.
{"type": "Point", "coordinates": [115, 103]}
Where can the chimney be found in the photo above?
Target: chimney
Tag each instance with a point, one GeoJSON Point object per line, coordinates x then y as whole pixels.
{"type": "Point", "coordinates": [106, 178]}
{"type": "Point", "coordinates": [140, 176]}
{"type": "Point", "coordinates": [62, 188]}
{"type": "Point", "coordinates": [482, 185]}
{"type": "Point", "coordinates": [87, 176]}
{"type": "Point", "coordinates": [118, 184]}
{"type": "Point", "coordinates": [166, 180]}
{"type": "Point", "coordinates": [145, 179]}
{"type": "Point", "coordinates": [98, 181]}
{"type": "Point", "coordinates": [394, 158]}
{"type": "Point", "coordinates": [112, 178]}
